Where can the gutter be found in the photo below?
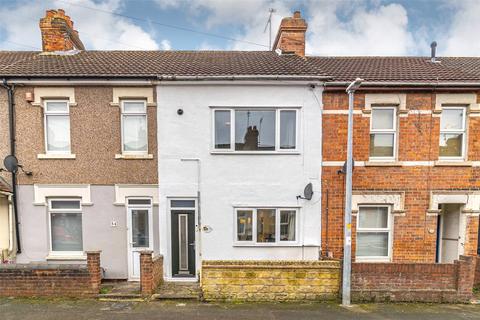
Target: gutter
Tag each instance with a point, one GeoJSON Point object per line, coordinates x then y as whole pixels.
{"type": "Point", "coordinates": [405, 84]}
{"type": "Point", "coordinates": [11, 122]}
{"type": "Point", "coordinates": [242, 77]}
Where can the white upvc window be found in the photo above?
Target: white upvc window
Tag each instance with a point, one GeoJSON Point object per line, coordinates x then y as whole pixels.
{"type": "Point", "coordinates": [65, 224]}
{"type": "Point", "coordinates": [453, 133]}
{"type": "Point", "coordinates": [134, 127]}
{"type": "Point", "coordinates": [266, 226]}
{"type": "Point", "coordinates": [383, 133]}
{"type": "Point", "coordinates": [255, 130]}
{"type": "Point", "coordinates": [374, 233]}
{"type": "Point", "coordinates": [57, 126]}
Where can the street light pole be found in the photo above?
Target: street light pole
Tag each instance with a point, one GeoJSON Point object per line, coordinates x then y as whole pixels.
{"type": "Point", "coordinates": [347, 241]}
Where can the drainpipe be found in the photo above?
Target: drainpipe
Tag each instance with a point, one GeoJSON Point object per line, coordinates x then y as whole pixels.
{"type": "Point", "coordinates": [11, 124]}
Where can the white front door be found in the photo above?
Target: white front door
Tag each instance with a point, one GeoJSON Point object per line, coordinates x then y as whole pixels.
{"type": "Point", "coordinates": [450, 233]}
{"type": "Point", "coordinates": [139, 228]}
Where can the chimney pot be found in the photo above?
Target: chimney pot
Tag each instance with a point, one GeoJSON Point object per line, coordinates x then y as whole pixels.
{"type": "Point", "coordinates": [291, 35]}
{"type": "Point", "coordinates": [58, 33]}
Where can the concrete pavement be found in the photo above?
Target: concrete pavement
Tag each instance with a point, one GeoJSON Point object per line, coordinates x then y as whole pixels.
{"type": "Point", "coordinates": [26, 309]}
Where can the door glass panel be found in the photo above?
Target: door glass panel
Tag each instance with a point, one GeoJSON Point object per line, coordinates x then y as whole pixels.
{"type": "Point", "coordinates": [183, 241]}
{"type": "Point", "coordinates": [140, 231]}
{"type": "Point", "coordinates": [182, 204]}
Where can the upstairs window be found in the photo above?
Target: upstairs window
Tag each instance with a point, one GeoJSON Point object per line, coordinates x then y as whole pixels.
{"type": "Point", "coordinates": [134, 127]}
{"type": "Point", "coordinates": [65, 226]}
{"type": "Point", "coordinates": [255, 130]}
{"type": "Point", "coordinates": [452, 133]}
{"type": "Point", "coordinates": [57, 127]}
{"type": "Point", "coordinates": [373, 233]}
{"type": "Point", "coordinates": [266, 225]}
{"type": "Point", "coordinates": [383, 133]}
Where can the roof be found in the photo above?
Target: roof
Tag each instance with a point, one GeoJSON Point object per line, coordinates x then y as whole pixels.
{"type": "Point", "coordinates": [152, 64]}
{"type": "Point", "coordinates": [171, 64]}
{"type": "Point", "coordinates": [400, 69]}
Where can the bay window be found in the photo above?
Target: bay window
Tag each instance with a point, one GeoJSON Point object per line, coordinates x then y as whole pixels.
{"type": "Point", "coordinates": [265, 225]}
{"type": "Point", "coordinates": [255, 130]}
{"type": "Point", "coordinates": [452, 133]}
{"type": "Point", "coordinates": [373, 233]}
{"type": "Point", "coordinates": [134, 127]}
{"type": "Point", "coordinates": [383, 133]}
{"type": "Point", "coordinates": [57, 126]}
{"type": "Point", "coordinates": [65, 217]}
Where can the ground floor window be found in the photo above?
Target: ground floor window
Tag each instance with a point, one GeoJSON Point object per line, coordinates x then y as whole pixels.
{"type": "Point", "coordinates": [266, 225]}
{"type": "Point", "coordinates": [65, 217]}
{"type": "Point", "coordinates": [373, 233]}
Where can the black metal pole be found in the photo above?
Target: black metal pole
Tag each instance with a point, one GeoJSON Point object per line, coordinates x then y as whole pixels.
{"type": "Point", "coordinates": [11, 124]}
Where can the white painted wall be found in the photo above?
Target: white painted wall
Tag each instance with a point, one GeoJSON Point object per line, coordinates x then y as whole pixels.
{"type": "Point", "coordinates": [229, 180]}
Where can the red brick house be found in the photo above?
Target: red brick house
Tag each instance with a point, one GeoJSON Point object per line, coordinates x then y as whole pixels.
{"type": "Point", "coordinates": [417, 155]}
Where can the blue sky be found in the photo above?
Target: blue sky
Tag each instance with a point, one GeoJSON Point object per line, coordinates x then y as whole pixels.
{"type": "Point", "coordinates": [336, 27]}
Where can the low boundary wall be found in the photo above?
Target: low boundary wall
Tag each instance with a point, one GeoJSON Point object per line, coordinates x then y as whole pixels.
{"type": "Point", "coordinates": [258, 281]}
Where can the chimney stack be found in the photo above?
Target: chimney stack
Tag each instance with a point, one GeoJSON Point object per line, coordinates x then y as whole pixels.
{"type": "Point", "coordinates": [58, 33]}
{"type": "Point", "coordinates": [291, 35]}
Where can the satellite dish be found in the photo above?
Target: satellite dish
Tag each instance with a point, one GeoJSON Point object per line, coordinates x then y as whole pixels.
{"type": "Point", "coordinates": [307, 192]}
{"type": "Point", "coordinates": [11, 163]}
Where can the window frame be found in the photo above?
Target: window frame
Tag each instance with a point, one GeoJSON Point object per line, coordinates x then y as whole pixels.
{"type": "Point", "coordinates": [393, 131]}
{"type": "Point", "coordinates": [277, 111]}
{"type": "Point", "coordinates": [463, 131]}
{"type": "Point", "coordinates": [47, 113]}
{"type": "Point", "coordinates": [53, 253]}
{"type": "Point", "coordinates": [122, 117]}
{"type": "Point", "coordinates": [278, 242]}
{"type": "Point", "coordinates": [389, 229]}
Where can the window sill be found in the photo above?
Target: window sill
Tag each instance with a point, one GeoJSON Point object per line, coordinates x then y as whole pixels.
{"type": "Point", "coordinates": [134, 156]}
{"type": "Point", "coordinates": [56, 156]}
{"type": "Point", "coordinates": [256, 152]}
{"type": "Point", "coordinates": [453, 163]}
{"type": "Point", "coordinates": [383, 163]}
{"type": "Point", "coordinates": [60, 257]}
{"type": "Point", "coordinates": [266, 245]}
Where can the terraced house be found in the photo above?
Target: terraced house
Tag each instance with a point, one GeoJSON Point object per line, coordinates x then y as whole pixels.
{"type": "Point", "coordinates": [232, 161]}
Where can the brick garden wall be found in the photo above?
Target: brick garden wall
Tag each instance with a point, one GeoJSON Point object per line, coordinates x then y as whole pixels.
{"type": "Point", "coordinates": [414, 232]}
{"type": "Point", "coordinates": [151, 272]}
{"type": "Point", "coordinates": [270, 280]}
{"type": "Point", "coordinates": [420, 282]}
{"type": "Point", "coordinates": [51, 280]}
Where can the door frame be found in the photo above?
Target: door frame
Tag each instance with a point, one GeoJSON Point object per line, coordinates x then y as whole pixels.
{"type": "Point", "coordinates": [129, 208]}
{"type": "Point", "coordinates": [168, 263]}
{"type": "Point", "coordinates": [461, 231]}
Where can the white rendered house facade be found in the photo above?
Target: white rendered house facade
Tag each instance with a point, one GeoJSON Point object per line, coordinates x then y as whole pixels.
{"type": "Point", "coordinates": [232, 159]}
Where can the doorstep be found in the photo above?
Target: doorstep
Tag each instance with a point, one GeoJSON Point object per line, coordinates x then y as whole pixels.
{"type": "Point", "coordinates": [178, 291]}
{"type": "Point", "coordinates": [112, 290]}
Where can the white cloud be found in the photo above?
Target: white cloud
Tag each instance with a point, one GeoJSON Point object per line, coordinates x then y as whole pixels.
{"type": "Point", "coordinates": [462, 37]}
{"type": "Point", "coordinates": [98, 30]}
{"type": "Point", "coordinates": [375, 30]}
{"type": "Point", "coordinates": [165, 45]}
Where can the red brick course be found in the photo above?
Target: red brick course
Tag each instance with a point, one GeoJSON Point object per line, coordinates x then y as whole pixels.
{"type": "Point", "coordinates": [42, 280]}
{"type": "Point", "coordinates": [424, 282]}
{"type": "Point", "coordinates": [414, 232]}
{"type": "Point", "coordinates": [151, 272]}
